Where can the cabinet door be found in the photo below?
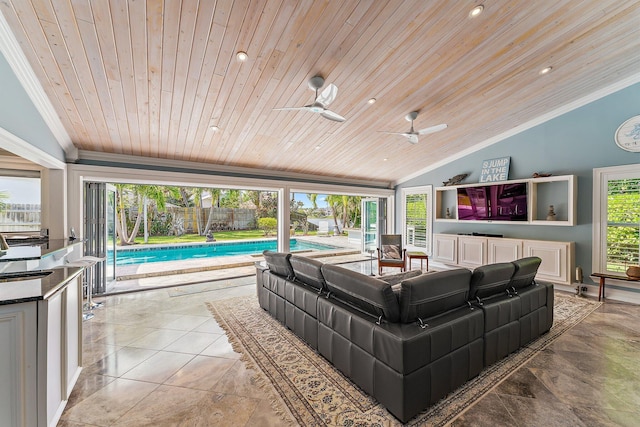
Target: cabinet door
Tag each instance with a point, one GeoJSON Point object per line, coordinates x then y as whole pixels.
{"type": "Point", "coordinates": [503, 250]}
{"type": "Point", "coordinates": [445, 248]}
{"type": "Point", "coordinates": [556, 259]}
{"type": "Point", "coordinates": [18, 365]}
{"type": "Point", "coordinates": [472, 251]}
{"type": "Point", "coordinates": [73, 351]}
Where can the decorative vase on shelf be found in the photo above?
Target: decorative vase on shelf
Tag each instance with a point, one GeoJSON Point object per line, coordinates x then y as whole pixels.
{"type": "Point", "coordinates": [551, 215]}
{"type": "Point", "coordinates": [634, 272]}
{"type": "Point", "coordinates": [447, 215]}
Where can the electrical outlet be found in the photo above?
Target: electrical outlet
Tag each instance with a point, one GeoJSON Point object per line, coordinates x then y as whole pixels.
{"type": "Point", "coordinates": [584, 289]}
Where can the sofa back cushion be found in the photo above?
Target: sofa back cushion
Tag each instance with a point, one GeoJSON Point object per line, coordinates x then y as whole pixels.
{"type": "Point", "coordinates": [366, 293]}
{"type": "Point", "coordinates": [278, 263]}
{"type": "Point", "coordinates": [431, 294]}
{"type": "Point", "coordinates": [492, 279]}
{"type": "Point", "coordinates": [307, 271]}
{"type": "Point", "coordinates": [526, 269]}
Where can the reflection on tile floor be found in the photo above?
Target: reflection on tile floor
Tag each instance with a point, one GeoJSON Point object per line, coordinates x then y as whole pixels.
{"type": "Point", "coordinates": [159, 358]}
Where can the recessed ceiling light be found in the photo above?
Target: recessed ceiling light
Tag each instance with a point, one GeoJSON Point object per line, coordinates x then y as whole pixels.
{"type": "Point", "coordinates": [214, 128]}
{"type": "Point", "coordinates": [385, 159]}
{"type": "Point", "coordinates": [242, 56]}
{"type": "Point", "coordinates": [545, 70]}
{"type": "Point", "coordinates": [372, 101]}
{"type": "Point", "coordinates": [476, 11]}
{"type": "Point", "coordinates": [317, 147]}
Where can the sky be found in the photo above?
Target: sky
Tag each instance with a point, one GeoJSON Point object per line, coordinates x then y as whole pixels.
{"type": "Point", "coordinates": [21, 190]}
{"type": "Point", "coordinates": [321, 200]}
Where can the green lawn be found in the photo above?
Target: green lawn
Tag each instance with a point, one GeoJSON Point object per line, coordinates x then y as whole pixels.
{"type": "Point", "coordinates": [219, 236]}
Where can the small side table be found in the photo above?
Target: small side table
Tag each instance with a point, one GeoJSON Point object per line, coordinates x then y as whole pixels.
{"type": "Point", "coordinates": [420, 256]}
{"type": "Point", "coordinates": [604, 276]}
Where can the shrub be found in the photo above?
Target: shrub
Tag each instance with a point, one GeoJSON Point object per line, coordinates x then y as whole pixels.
{"type": "Point", "coordinates": [267, 225]}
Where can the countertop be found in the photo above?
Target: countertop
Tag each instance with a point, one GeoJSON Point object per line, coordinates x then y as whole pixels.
{"type": "Point", "coordinates": [26, 289]}
{"type": "Point", "coordinates": [31, 251]}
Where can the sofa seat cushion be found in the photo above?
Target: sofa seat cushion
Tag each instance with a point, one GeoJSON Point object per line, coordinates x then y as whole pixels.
{"type": "Point", "coordinates": [278, 263]}
{"type": "Point", "coordinates": [366, 293]}
{"type": "Point", "coordinates": [491, 280]}
{"type": "Point", "coordinates": [431, 294]}
{"type": "Point", "coordinates": [307, 271]}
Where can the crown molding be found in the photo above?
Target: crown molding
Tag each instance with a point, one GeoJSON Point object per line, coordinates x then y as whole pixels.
{"type": "Point", "coordinates": [594, 96]}
{"type": "Point", "coordinates": [18, 62]}
{"type": "Point", "coordinates": [22, 148]}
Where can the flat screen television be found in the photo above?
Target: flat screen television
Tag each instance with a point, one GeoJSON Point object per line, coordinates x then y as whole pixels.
{"type": "Point", "coordinates": [495, 202]}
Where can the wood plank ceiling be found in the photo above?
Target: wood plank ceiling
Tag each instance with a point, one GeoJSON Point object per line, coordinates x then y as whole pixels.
{"type": "Point", "coordinates": [149, 78]}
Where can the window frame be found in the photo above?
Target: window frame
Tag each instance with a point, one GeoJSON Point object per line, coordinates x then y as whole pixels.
{"type": "Point", "coordinates": [428, 191]}
{"type": "Point", "coordinates": [601, 178]}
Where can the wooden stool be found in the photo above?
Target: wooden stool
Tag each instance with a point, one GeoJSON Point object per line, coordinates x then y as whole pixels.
{"type": "Point", "coordinates": [420, 256]}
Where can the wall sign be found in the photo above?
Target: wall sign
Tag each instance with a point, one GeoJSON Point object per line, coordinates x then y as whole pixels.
{"type": "Point", "coordinates": [494, 170]}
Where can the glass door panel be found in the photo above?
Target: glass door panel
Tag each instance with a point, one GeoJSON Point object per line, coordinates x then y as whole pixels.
{"type": "Point", "coordinates": [369, 225]}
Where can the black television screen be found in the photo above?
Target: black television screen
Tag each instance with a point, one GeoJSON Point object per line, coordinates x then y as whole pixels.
{"type": "Point", "coordinates": [497, 202]}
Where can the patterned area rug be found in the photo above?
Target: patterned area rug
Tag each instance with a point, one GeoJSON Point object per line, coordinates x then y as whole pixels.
{"type": "Point", "coordinates": [315, 393]}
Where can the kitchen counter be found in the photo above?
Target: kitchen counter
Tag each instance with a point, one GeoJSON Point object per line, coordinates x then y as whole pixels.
{"type": "Point", "coordinates": [44, 255]}
{"type": "Point", "coordinates": [36, 250]}
{"type": "Point", "coordinates": [35, 285]}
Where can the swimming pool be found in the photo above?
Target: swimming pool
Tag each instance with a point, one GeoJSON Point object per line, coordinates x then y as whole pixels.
{"type": "Point", "coordinates": [130, 256]}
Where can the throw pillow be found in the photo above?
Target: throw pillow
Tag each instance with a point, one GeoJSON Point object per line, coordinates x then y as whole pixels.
{"type": "Point", "coordinates": [391, 251]}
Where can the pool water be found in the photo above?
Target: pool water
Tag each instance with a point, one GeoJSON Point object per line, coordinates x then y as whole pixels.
{"type": "Point", "coordinates": [206, 250]}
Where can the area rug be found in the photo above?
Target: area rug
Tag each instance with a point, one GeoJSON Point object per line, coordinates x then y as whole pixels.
{"type": "Point", "coordinates": [314, 393]}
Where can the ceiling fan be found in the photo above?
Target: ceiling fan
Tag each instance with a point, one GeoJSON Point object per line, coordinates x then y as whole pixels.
{"type": "Point", "coordinates": [322, 101]}
{"type": "Point", "coordinates": [412, 135]}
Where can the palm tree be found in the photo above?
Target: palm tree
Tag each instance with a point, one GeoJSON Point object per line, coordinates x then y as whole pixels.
{"type": "Point", "coordinates": [313, 198]}
{"type": "Point", "coordinates": [141, 193]}
{"type": "Point", "coordinates": [4, 195]}
{"type": "Point", "coordinates": [215, 196]}
{"type": "Point", "coordinates": [335, 203]}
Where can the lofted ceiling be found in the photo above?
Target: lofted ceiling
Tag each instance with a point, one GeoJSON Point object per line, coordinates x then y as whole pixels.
{"type": "Point", "coordinates": [150, 78]}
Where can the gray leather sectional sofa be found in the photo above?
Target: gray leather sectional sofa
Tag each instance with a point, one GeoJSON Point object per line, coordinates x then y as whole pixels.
{"type": "Point", "coordinates": [408, 344]}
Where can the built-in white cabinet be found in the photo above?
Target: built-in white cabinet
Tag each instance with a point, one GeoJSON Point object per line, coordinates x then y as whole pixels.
{"type": "Point", "coordinates": [18, 364]}
{"type": "Point", "coordinates": [557, 191]}
{"type": "Point", "coordinates": [503, 250]}
{"type": "Point", "coordinates": [557, 259]}
{"type": "Point", "coordinates": [40, 356]}
{"type": "Point", "coordinates": [445, 248]}
{"type": "Point", "coordinates": [473, 251]}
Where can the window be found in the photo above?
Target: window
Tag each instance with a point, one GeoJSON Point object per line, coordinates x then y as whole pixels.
{"type": "Point", "coordinates": [19, 203]}
{"type": "Point", "coordinates": [616, 219]}
{"type": "Point", "coordinates": [416, 218]}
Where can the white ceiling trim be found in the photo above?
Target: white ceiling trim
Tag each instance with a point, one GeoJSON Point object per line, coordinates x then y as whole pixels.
{"type": "Point", "coordinates": [22, 148]}
{"type": "Point", "coordinates": [297, 179]}
{"type": "Point", "coordinates": [528, 125]}
{"type": "Point", "coordinates": [20, 65]}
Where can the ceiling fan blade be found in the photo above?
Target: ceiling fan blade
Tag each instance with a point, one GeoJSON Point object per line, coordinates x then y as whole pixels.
{"type": "Point", "coordinates": [327, 114]}
{"type": "Point", "coordinates": [432, 129]}
{"type": "Point", "coordinates": [328, 95]}
{"type": "Point", "coordinates": [290, 108]}
{"type": "Point", "coordinates": [392, 133]}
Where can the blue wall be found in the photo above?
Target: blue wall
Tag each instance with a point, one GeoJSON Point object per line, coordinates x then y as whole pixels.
{"type": "Point", "coordinates": [20, 117]}
{"type": "Point", "coordinates": [572, 144]}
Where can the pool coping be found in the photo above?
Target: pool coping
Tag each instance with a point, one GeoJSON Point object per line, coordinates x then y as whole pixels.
{"type": "Point", "coordinates": [156, 269]}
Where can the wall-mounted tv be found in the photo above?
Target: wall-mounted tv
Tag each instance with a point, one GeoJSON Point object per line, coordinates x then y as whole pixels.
{"type": "Point", "coordinates": [497, 202]}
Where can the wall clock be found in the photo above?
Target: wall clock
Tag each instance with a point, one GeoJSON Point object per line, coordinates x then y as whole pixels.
{"type": "Point", "coordinates": [628, 135]}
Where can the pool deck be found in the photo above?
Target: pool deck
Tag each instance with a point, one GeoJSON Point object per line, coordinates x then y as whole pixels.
{"type": "Point", "coordinates": [173, 273]}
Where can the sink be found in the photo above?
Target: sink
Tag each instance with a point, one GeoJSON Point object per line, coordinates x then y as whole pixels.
{"type": "Point", "coordinates": [24, 275]}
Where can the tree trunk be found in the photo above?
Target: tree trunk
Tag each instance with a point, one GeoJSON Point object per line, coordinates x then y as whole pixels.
{"type": "Point", "coordinates": [209, 221]}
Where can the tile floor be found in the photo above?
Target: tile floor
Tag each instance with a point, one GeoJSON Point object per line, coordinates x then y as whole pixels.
{"type": "Point", "coordinates": [158, 358]}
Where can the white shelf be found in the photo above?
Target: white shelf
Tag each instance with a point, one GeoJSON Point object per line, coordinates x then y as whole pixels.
{"type": "Point", "coordinates": [559, 191]}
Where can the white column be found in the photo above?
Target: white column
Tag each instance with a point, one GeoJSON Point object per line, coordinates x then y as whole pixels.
{"type": "Point", "coordinates": [53, 184]}
{"type": "Point", "coordinates": [284, 210]}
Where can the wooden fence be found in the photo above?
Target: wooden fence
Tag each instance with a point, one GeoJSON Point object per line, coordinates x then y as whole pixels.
{"type": "Point", "coordinates": [20, 217]}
